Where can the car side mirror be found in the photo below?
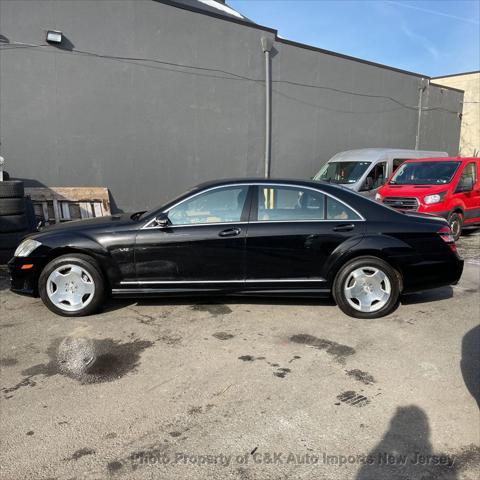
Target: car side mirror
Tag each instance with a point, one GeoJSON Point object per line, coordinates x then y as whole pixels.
{"type": "Point", "coordinates": [368, 184]}
{"type": "Point", "coordinates": [162, 220]}
{"type": "Point", "coordinates": [466, 185]}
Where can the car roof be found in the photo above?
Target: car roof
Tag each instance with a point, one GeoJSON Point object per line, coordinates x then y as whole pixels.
{"type": "Point", "coordinates": [441, 159]}
{"type": "Point", "coordinates": [374, 154]}
{"type": "Point", "coordinates": [249, 180]}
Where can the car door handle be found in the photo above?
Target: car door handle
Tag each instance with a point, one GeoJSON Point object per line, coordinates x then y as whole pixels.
{"type": "Point", "coordinates": [230, 232]}
{"type": "Point", "coordinates": [345, 227]}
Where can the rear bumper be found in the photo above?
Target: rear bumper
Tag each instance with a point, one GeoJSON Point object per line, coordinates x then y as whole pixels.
{"type": "Point", "coordinates": [24, 281]}
{"type": "Point", "coordinates": [425, 275]}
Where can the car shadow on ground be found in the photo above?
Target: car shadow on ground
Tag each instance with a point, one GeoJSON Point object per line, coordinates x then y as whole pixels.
{"type": "Point", "coordinates": [434, 295]}
{"type": "Point", "coordinates": [118, 303]}
{"type": "Point", "coordinates": [113, 304]}
{"type": "Point", "coordinates": [470, 363]}
{"type": "Point", "coordinates": [4, 278]}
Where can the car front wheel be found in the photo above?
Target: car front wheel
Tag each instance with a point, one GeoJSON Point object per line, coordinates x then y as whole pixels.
{"type": "Point", "coordinates": [367, 287]}
{"type": "Point", "coordinates": [72, 285]}
{"type": "Point", "coordinates": [456, 223]}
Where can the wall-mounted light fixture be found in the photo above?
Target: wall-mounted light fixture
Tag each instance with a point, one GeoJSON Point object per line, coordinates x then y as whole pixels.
{"type": "Point", "coordinates": [54, 36]}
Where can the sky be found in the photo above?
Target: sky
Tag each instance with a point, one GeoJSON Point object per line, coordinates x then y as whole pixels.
{"type": "Point", "coordinates": [431, 37]}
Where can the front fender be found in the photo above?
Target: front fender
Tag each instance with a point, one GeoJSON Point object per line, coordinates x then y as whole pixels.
{"type": "Point", "coordinates": [54, 246]}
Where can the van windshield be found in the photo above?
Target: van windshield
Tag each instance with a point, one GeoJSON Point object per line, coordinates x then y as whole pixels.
{"type": "Point", "coordinates": [424, 173]}
{"type": "Point", "coordinates": [342, 172]}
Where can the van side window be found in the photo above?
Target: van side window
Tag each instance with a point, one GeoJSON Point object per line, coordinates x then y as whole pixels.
{"type": "Point", "coordinates": [397, 162]}
{"type": "Point", "coordinates": [377, 176]}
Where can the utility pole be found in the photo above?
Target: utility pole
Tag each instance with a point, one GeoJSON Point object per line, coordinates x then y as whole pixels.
{"type": "Point", "coordinates": [267, 44]}
{"type": "Point", "coordinates": [423, 85]}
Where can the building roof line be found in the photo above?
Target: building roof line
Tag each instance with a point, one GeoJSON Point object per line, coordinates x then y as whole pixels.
{"type": "Point", "coordinates": [457, 74]}
{"type": "Point", "coordinates": [278, 39]}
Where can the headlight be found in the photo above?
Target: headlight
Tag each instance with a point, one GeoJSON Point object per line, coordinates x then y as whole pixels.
{"type": "Point", "coordinates": [26, 248]}
{"type": "Point", "coordinates": [378, 197]}
{"type": "Point", "coordinates": [435, 198]}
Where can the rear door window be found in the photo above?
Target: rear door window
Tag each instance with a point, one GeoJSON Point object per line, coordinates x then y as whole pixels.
{"type": "Point", "coordinates": [337, 210]}
{"type": "Point", "coordinates": [279, 203]}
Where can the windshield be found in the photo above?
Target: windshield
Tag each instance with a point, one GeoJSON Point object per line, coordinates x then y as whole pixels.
{"type": "Point", "coordinates": [342, 172]}
{"type": "Point", "coordinates": [424, 173]}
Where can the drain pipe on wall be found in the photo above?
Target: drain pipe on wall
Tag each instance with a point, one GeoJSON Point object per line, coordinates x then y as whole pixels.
{"type": "Point", "coordinates": [423, 85]}
{"type": "Point", "coordinates": [267, 44]}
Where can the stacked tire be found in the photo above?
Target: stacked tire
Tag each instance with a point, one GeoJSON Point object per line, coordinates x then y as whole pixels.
{"type": "Point", "coordinates": [13, 219]}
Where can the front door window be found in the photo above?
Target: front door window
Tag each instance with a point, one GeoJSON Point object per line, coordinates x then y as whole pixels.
{"type": "Point", "coordinates": [221, 205]}
{"type": "Point", "coordinates": [468, 172]}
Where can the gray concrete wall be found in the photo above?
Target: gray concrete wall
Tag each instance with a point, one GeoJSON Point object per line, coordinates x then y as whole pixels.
{"type": "Point", "coordinates": [441, 119]}
{"type": "Point", "coordinates": [148, 130]}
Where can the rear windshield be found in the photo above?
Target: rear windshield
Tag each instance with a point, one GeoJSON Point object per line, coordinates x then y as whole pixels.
{"type": "Point", "coordinates": [342, 172]}
{"type": "Point", "coordinates": [424, 173]}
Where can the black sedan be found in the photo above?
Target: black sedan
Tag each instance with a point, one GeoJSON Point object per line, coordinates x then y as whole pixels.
{"type": "Point", "coordinates": [242, 237]}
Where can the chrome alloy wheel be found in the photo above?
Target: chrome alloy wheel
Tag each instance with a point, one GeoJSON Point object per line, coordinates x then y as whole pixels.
{"type": "Point", "coordinates": [367, 289]}
{"type": "Point", "coordinates": [70, 287]}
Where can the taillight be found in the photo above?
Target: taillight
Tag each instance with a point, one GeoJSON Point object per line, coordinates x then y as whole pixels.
{"type": "Point", "coordinates": [446, 235]}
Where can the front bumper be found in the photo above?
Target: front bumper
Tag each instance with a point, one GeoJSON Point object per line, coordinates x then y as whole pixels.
{"type": "Point", "coordinates": [24, 281]}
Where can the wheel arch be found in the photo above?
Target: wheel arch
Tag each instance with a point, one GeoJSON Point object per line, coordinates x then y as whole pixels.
{"type": "Point", "coordinates": [391, 250]}
{"type": "Point", "coordinates": [395, 264]}
{"type": "Point", "coordinates": [59, 251]}
{"type": "Point", "coordinates": [457, 209]}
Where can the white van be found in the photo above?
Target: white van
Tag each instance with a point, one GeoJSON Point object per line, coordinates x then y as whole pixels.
{"type": "Point", "coordinates": [367, 169]}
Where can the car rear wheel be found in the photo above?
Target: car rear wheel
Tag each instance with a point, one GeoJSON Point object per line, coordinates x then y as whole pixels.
{"type": "Point", "coordinates": [456, 223]}
{"type": "Point", "coordinates": [367, 287]}
{"type": "Point", "coordinates": [72, 285]}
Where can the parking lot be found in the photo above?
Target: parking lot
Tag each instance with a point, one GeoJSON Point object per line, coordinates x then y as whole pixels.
{"type": "Point", "coordinates": [242, 388]}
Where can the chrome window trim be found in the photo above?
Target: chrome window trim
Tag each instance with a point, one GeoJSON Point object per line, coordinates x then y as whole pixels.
{"type": "Point", "coordinates": [271, 185]}
{"type": "Point", "coordinates": [306, 221]}
{"type": "Point", "coordinates": [248, 280]}
{"type": "Point", "coordinates": [183, 225]}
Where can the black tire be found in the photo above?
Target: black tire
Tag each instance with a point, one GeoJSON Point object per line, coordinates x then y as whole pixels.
{"type": "Point", "coordinates": [455, 220]}
{"type": "Point", "coordinates": [11, 240]}
{"type": "Point", "coordinates": [377, 263]}
{"type": "Point", "coordinates": [11, 189]}
{"type": "Point", "coordinates": [88, 264]}
{"type": "Point", "coordinates": [12, 206]}
{"type": "Point", "coordinates": [13, 223]}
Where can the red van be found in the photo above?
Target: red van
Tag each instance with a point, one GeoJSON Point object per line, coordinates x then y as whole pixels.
{"type": "Point", "coordinates": [446, 187]}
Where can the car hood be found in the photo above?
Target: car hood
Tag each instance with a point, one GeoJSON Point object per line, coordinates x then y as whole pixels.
{"type": "Point", "coordinates": [411, 190]}
{"type": "Point", "coordinates": [99, 223]}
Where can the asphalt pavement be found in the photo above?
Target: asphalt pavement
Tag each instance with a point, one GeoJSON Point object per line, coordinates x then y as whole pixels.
{"type": "Point", "coordinates": [243, 389]}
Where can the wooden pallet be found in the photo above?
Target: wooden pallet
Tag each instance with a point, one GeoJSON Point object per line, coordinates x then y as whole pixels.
{"type": "Point", "coordinates": [61, 204]}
